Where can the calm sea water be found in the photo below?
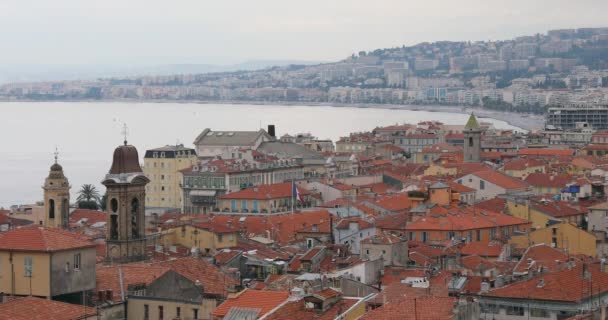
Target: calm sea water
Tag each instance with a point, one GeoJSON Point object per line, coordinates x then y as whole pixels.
{"type": "Point", "coordinates": [87, 133]}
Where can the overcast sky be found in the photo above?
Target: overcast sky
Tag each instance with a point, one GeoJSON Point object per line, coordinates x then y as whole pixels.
{"type": "Point", "coordinates": [232, 31]}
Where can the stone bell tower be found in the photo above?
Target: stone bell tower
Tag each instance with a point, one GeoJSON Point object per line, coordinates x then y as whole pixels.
{"type": "Point", "coordinates": [56, 197]}
{"type": "Point", "coordinates": [126, 195]}
{"type": "Point", "coordinates": [472, 140]}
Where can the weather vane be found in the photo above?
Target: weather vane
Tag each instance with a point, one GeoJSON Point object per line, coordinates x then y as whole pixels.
{"type": "Point", "coordinates": [125, 132]}
{"type": "Point", "coordinates": [56, 153]}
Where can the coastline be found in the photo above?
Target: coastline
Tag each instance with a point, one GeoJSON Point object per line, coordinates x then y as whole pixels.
{"type": "Point", "coordinates": [524, 121]}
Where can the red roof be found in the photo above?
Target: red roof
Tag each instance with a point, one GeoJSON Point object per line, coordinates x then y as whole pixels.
{"type": "Point", "coordinates": [548, 180]}
{"type": "Point", "coordinates": [281, 228]}
{"type": "Point", "coordinates": [296, 310]}
{"type": "Point", "coordinates": [392, 202]}
{"type": "Point", "coordinates": [87, 217]}
{"type": "Point", "coordinates": [457, 187]}
{"type": "Point", "coordinates": [501, 180]}
{"type": "Point", "coordinates": [264, 192]}
{"type": "Point", "coordinates": [35, 238]}
{"type": "Point", "coordinates": [225, 255]}
{"type": "Point", "coordinates": [564, 286]}
{"type": "Point", "coordinates": [541, 255]}
{"type": "Point", "coordinates": [522, 164]}
{"type": "Point", "coordinates": [546, 152]}
{"type": "Point", "coordinates": [264, 300]}
{"type": "Point", "coordinates": [108, 277]}
{"type": "Point", "coordinates": [462, 219]}
{"type": "Point", "coordinates": [395, 275]}
{"type": "Point", "coordinates": [345, 223]}
{"type": "Point", "coordinates": [32, 308]}
{"type": "Point", "coordinates": [417, 308]}
{"type": "Point", "coordinates": [476, 263]}
{"type": "Point", "coordinates": [213, 279]}
{"type": "Point", "coordinates": [482, 248]}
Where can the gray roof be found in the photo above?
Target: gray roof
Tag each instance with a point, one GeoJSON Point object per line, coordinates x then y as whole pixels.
{"type": "Point", "coordinates": [288, 150]}
{"type": "Point", "coordinates": [179, 147]}
{"type": "Point", "coordinates": [229, 138]}
{"type": "Point", "coordinates": [238, 313]}
{"type": "Point", "coordinates": [439, 185]}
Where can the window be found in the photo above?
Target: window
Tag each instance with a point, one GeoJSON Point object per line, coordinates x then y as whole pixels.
{"type": "Point", "coordinates": [51, 209]}
{"type": "Point", "coordinates": [515, 311]}
{"type": "Point", "coordinates": [490, 308]}
{"type": "Point", "coordinates": [367, 251]}
{"type": "Point", "coordinates": [195, 313]}
{"type": "Point", "coordinates": [478, 234]}
{"type": "Point", "coordinates": [178, 312]}
{"type": "Point", "coordinates": [161, 312]}
{"type": "Point", "coordinates": [383, 251]}
{"type": "Point", "coordinates": [539, 313]}
{"type": "Point", "coordinates": [219, 237]}
{"type": "Point", "coordinates": [255, 205]}
{"type": "Point", "coordinates": [162, 177]}
{"type": "Point", "coordinates": [27, 264]}
{"type": "Point", "coordinates": [482, 185]}
{"type": "Point", "coordinates": [243, 204]}
{"type": "Point", "coordinates": [146, 312]}
{"type": "Point", "coordinates": [492, 233]}
{"type": "Point", "coordinates": [424, 236]}
{"type": "Point", "coordinates": [233, 205]}
{"type": "Point", "coordinates": [471, 141]}
{"type": "Point", "coordinates": [77, 261]}
{"type": "Point", "coordinates": [411, 236]}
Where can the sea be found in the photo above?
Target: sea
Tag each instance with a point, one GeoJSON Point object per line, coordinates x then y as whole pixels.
{"type": "Point", "coordinates": [86, 133]}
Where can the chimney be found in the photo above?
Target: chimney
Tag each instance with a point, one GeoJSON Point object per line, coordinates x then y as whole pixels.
{"type": "Point", "coordinates": [271, 130]}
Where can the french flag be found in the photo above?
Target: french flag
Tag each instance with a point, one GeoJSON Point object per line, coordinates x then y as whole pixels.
{"type": "Point", "coordinates": [295, 192]}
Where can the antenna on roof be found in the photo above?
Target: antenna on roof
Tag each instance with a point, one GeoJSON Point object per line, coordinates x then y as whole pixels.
{"type": "Point", "coordinates": [125, 132]}
{"type": "Point", "coordinates": [56, 153]}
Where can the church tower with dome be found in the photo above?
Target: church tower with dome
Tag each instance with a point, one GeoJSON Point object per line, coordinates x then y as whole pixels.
{"type": "Point", "coordinates": [56, 197]}
{"type": "Point", "coordinates": [126, 196]}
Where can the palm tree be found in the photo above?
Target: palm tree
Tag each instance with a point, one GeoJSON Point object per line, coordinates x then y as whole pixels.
{"type": "Point", "coordinates": [88, 197]}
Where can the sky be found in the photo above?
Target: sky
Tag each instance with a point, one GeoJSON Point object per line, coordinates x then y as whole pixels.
{"type": "Point", "coordinates": [90, 32]}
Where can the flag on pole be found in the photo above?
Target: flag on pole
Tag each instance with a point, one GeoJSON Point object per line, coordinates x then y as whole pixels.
{"type": "Point", "coordinates": [295, 192]}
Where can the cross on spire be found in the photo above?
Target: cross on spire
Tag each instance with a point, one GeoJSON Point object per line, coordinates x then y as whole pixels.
{"type": "Point", "coordinates": [56, 153]}
{"type": "Point", "coordinates": [125, 132]}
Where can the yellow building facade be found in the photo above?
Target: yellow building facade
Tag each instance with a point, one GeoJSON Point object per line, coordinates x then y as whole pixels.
{"type": "Point", "coordinates": [203, 237]}
{"type": "Point", "coordinates": [162, 166]}
{"type": "Point", "coordinates": [562, 236]}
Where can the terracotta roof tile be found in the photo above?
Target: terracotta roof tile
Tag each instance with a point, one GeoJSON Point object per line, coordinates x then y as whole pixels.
{"type": "Point", "coordinates": [32, 308]}
{"type": "Point", "coordinates": [501, 180]}
{"type": "Point", "coordinates": [482, 248]}
{"type": "Point", "coordinates": [417, 308]}
{"type": "Point", "coordinates": [264, 300]}
{"type": "Point", "coordinates": [36, 238]}
{"type": "Point", "coordinates": [296, 310]}
{"type": "Point", "coordinates": [546, 152]}
{"type": "Point", "coordinates": [263, 192]}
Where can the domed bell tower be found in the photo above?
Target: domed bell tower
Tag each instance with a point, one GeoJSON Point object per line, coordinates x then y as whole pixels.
{"type": "Point", "coordinates": [472, 140]}
{"type": "Point", "coordinates": [56, 197]}
{"type": "Point", "coordinates": [126, 195]}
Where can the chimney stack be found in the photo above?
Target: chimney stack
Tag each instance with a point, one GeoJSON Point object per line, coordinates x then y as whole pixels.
{"type": "Point", "coordinates": [271, 130]}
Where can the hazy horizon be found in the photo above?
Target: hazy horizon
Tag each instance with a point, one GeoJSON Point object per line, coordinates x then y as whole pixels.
{"type": "Point", "coordinates": [113, 32]}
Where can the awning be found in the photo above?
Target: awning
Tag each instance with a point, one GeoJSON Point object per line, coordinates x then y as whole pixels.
{"type": "Point", "coordinates": [204, 193]}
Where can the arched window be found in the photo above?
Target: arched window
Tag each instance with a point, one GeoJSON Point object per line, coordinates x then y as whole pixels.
{"type": "Point", "coordinates": [65, 211]}
{"type": "Point", "coordinates": [114, 205]}
{"type": "Point", "coordinates": [51, 209]}
{"type": "Point", "coordinates": [470, 141]}
{"type": "Point", "coordinates": [113, 227]}
{"type": "Point", "coordinates": [134, 218]}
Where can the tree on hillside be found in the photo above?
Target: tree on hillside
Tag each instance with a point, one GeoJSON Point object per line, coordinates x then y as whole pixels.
{"type": "Point", "coordinates": [88, 197]}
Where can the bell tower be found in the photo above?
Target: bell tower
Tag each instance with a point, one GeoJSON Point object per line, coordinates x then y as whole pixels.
{"type": "Point", "coordinates": [472, 140]}
{"type": "Point", "coordinates": [56, 197]}
{"type": "Point", "coordinates": [126, 196]}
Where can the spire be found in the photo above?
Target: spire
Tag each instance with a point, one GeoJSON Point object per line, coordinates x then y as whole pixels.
{"type": "Point", "coordinates": [472, 124]}
{"type": "Point", "coordinates": [56, 153]}
{"type": "Point", "coordinates": [125, 132]}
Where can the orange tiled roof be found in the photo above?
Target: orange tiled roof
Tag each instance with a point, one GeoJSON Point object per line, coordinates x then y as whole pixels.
{"type": "Point", "coordinates": [108, 277]}
{"type": "Point", "coordinates": [32, 308]}
{"type": "Point", "coordinates": [522, 164]}
{"type": "Point", "coordinates": [565, 286]}
{"type": "Point", "coordinates": [482, 248]}
{"type": "Point", "coordinates": [91, 216]}
{"type": "Point", "coordinates": [345, 223]}
{"type": "Point", "coordinates": [282, 228]}
{"type": "Point", "coordinates": [35, 238]}
{"type": "Point", "coordinates": [213, 279]}
{"type": "Point", "coordinates": [476, 263]}
{"type": "Point", "coordinates": [540, 255]}
{"type": "Point", "coordinates": [395, 275]}
{"type": "Point", "coordinates": [264, 192]}
{"type": "Point", "coordinates": [461, 219]}
{"type": "Point", "coordinates": [501, 180]}
{"type": "Point", "coordinates": [417, 308]}
{"type": "Point", "coordinates": [264, 300]}
{"type": "Point", "coordinates": [546, 152]}
{"type": "Point", "coordinates": [296, 310]}
{"type": "Point", "coordinates": [548, 180]}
